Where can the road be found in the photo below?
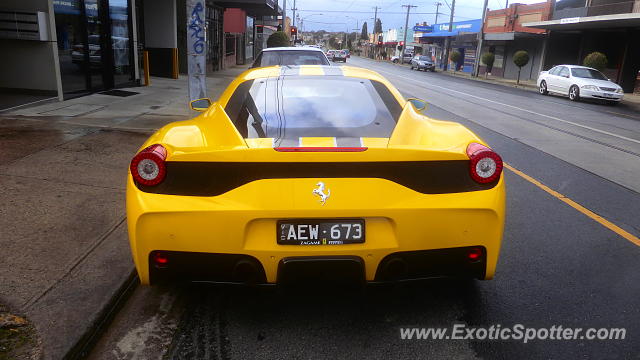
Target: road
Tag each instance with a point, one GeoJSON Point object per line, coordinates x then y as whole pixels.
{"type": "Point", "coordinates": [569, 257]}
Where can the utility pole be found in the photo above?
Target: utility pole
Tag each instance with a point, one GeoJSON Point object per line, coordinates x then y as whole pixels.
{"type": "Point", "coordinates": [294, 12]}
{"type": "Point", "coordinates": [295, 37]}
{"type": "Point", "coordinates": [406, 30]}
{"type": "Point", "coordinates": [447, 41]}
{"type": "Point", "coordinates": [284, 15]}
{"type": "Point", "coordinates": [507, 5]}
{"type": "Point", "coordinates": [476, 65]}
{"type": "Point", "coordinates": [438, 4]}
{"type": "Point", "coordinates": [375, 34]}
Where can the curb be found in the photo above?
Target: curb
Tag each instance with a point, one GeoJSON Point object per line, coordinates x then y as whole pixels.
{"type": "Point", "coordinates": [99, 325]}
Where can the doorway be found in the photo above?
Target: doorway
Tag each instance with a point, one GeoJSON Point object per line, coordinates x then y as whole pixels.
{"type": "Point", "coordinates": [94, 50]}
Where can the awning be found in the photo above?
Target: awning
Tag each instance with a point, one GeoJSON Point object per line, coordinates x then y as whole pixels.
{"type": "Point", "coordinates": [252, 7]}
{"type": "Point", "coordinates": [589, 22]}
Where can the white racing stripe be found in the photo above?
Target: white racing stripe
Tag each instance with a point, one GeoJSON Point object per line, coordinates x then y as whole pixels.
{"type": "Point", "coordinates": [521, 109]}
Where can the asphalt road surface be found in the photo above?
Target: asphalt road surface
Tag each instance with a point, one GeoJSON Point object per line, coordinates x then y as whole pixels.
{"type": "Point", "coordinates": [569, 258]}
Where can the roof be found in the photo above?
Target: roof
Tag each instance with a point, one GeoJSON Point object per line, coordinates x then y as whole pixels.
{"type": "Point", "coordinates": [575, 66]}
{"type": "Point", "coordinates": [296, 48]}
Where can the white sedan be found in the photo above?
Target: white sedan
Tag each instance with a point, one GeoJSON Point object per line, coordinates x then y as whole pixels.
{"type": "Point", "coordinates": [579, 82]}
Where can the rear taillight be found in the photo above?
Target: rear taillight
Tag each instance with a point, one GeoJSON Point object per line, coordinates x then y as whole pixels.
{"type": "Point", "coordinates": [485, 165]}
{"type": "Point", "coordinates": [148, 166]}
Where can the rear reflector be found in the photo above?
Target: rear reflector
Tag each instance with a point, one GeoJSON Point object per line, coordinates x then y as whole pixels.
{"type": "Point", "coordinates": [474, 254]}
{"type": "Point", "coordinates": [320, 149]}
{"type": "Point", "coordinates": [160, 259]}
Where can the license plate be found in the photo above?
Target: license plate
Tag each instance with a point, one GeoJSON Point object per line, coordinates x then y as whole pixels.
{"type": "Point", "coordinates": [607, 95]}
{"type": "Point", "coordinates": [320, 232]}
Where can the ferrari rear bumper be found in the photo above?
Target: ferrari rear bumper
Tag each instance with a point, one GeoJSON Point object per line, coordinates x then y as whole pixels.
{"type": "Point", "coordinates": [233, 237]}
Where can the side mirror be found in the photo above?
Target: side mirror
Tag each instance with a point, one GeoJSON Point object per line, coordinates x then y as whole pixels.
{"type": "Point", "coordinates": [200, 104]}
{"type": "Point", "coordinates": [419, 104]}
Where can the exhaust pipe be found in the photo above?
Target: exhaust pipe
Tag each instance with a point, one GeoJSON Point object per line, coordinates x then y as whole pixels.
{"type": "Point", "coordinates": [245, 271]}
{"type": "Point", "coordinates": [396, 268]}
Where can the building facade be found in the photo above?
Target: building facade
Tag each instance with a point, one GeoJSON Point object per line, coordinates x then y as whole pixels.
{"type": "Point", "coordinates": [579, 27]}
{"type": "Point", "coordinates": [69, 48]}
{"type": "Point", "coordinates": [463, 37]}
{"type": "Point", "coordinates": [504, 34]}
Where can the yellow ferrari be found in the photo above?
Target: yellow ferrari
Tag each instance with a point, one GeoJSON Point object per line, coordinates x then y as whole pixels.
{"type": "Point", "coordinates": [314, 172]}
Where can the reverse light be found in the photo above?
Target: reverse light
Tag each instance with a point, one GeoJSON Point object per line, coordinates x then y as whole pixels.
{"type": "Point", "coordinates": [148, 166]}
{"type": "Point", "coordinates": [485, 165]}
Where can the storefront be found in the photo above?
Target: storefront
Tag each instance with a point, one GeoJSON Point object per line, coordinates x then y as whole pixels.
{"type": "Point", "coordinates": [463, 37]}
{"type": "Point", "coordinates": [94, 48]}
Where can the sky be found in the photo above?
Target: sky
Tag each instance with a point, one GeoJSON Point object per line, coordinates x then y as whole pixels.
{"type": "Point", "coordinates": [341, 15]}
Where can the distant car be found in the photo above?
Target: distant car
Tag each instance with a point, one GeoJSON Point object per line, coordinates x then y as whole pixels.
{"type": "Point", "coordinates": [340, 56]}
{"type": "Point", "coordinates": [579, 82]}
{"type": "Point", "coordinates": [406, 59]}
{"type": "Point", "coordinates": [348, 53]}
{"type": "Point", "coordinates": [290, 56]}
{"type": "Point", "coordinates": [422, 62]}
{"type": "Point", "coordinates": [330, 53]}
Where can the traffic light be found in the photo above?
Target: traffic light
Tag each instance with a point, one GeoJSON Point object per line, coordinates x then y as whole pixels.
{"type": "Point", "coordinates": [294, 31]}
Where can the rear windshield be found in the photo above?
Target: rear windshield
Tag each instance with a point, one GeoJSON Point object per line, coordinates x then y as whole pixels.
{"type": "Point", "coordinates": [291, 57]}
{"type": "Point", "coordinates": [587, 74]}
{"type": "Point", "coordinates": [289, 107]}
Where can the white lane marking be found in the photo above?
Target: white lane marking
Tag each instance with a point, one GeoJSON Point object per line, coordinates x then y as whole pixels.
{"type": "Point", "coordinates": [361, 142]}
{"type": "Point", "coordinates": [335, 142]}
{"type": "Point", "coordinates": [299, 142]}
{"type": "Point", "coordinates": [525, 110]}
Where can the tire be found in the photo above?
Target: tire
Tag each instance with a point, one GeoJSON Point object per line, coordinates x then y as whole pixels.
{"type": "Point", "coordinates": [433, 69]}
{"type": "Point", "coordinates": [543, 88]}
{"type": "Point", "coordinates": [574, 93]}
{"type": "Point", "coordinates": [411, 67]}
{"type": "Point", "coordinates": [395, 61]}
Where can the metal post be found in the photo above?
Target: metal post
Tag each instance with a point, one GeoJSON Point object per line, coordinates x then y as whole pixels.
{"type": "Point", "coordinates": [406, 30]}
{"type": "Point", "coordinates": [437, 11]}
{"type": "Point", "coordinates": [476, 65]}
{"type": "Point", "coordinates": [447, 41]}
{"type": "Point", "coordinates": [196, 49]}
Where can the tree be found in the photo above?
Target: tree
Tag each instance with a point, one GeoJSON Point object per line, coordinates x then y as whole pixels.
{"type": "Point", "coordinates": [596, 60]}
{"type": "Point", "coordinates": [488, 59]}
{"type": "Point", "coordinates": [378, 28]}
{"type": "Point", "coordinates": [455, 57]}
{"type": "Point", "coordinates": [520, 59]}
{"type": "Point", "coordinates": [364, 35]}
{"type": "Point", "coordinates": [277, 39]}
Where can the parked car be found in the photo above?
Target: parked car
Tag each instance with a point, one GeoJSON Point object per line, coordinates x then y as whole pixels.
{"type": "Point", "coordinates": [406, 59]}
{"type": "Point", "coordinates": [579, 82]}
{"type": "Point", "coordinates": [340, 55]}
{"type": "Point", "coordinates": [422, 62]}
{"type": "Point", "coordinates": [290, 56]}
{"type": "Point", "coordinates": [283, 173]}
{"type": "Point", "coordinates": [330, 53]}
{"type": "Point", "coordinates": [348, 53]}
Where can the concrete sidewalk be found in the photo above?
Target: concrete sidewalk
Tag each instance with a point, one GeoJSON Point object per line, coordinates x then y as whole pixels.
{"type": "Point", "coordinates": [65, 254]}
